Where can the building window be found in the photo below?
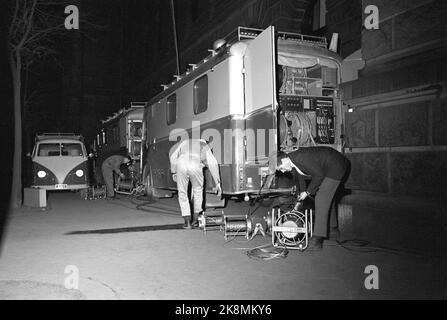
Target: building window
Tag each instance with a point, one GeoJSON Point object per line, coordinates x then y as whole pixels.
{"type": "Point", "coordinates": [171, 109]}
{"type": "Point", "coordinates": [201, 95]}
{"type": "Point", "coordinates": [319, 18]}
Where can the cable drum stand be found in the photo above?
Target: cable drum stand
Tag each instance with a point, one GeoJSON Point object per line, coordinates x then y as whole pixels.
{"type": "Point", "coordinates": [236, 225]}
{"type": "Point", "coordinates": [211, 222]}
{"type": "Point", "coordinates": [291, 229]}
{"type": "Point", "coordinates": [94, 193]}
{"type": "Point", "coordinates": [131, 184]}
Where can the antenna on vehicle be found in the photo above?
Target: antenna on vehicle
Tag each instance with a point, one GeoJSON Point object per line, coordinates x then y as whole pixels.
{"type": "Point", "coordinates": [334, 42]}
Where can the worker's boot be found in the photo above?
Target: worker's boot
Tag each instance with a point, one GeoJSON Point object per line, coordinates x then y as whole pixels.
{"type": "Point", "coordinates": [195, 220]}
{"type": "Point", "coordinates": [334, 234]}
{"type": "Point", "coordinates": [187, 224]}
{"type": "Point", "coordinates": [315, 243]}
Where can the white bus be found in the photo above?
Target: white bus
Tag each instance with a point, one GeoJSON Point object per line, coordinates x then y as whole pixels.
{"type": "Point", "coordinates": [258, 92]}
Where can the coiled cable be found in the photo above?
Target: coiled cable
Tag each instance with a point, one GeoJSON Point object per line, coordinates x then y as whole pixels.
{"type": "Point", "coordinates": [300, 127]}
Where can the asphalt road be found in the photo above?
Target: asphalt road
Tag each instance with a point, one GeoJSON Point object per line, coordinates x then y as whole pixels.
{"type": "Point", "coordinates": [118, 254]}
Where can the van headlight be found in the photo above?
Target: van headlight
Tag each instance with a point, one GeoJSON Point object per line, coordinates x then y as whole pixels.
{"type": "Point", "coordinates": [79, 173]}
{"type": "Point", "coordinates": [41, 174]}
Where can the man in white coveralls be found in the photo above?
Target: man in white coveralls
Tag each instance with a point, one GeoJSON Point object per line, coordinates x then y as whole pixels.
{"type": "Point", "coordinates": [188, 158]}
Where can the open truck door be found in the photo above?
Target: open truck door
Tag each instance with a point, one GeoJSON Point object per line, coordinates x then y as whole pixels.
{"type": "Point", "coordinates": [260, 95]}
{"type": "Point", "coordinates": [260, 72]}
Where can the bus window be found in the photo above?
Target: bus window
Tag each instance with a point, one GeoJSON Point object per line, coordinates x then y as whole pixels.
{"type": "Point", "coordinates": [135, 149]}
{"type": "Point", "coordinates": [115, 135]}
{"type": "Point", "coordinates": [171, 109]}
{"type": "Point", "coordinates": [72, 150]}
{"type": "Point", "coordinates": [49, 150]}
{"type": "Point", "coordinates": [136, 129]}
{"type": "Point", "coordinates": [200, 103]}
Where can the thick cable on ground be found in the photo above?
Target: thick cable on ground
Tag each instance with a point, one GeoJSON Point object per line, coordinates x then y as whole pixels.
{"type": "Point", "coordinates": [267, 254]}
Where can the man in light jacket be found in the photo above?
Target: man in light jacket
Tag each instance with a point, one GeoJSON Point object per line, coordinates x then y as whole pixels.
{"type": "Point", "coordinates": [188, 158]}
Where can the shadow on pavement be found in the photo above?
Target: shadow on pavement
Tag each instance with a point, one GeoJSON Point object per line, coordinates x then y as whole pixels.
{"type": "Point", "coordinates": [130, 229]}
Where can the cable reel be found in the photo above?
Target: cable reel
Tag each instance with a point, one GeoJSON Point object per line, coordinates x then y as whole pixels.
{"type": "Point", "coordinates": [268, 222]}
{"type": "Point", "coordinates": [237, 225]}
{"type": "Point", "coordinates": [94, 193]}
{"type": "Point", "coordinates": [296, 130]}
{"type": "Point", "coordinates": [210, 222]}
{"type": "Point", "coordinates": [291, 229]}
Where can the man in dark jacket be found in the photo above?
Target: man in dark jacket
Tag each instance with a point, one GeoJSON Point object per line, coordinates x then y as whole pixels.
{"type": "Point", "coordinates": [326, 167]}
{"type": "Point", "coordinates": [110, 166]}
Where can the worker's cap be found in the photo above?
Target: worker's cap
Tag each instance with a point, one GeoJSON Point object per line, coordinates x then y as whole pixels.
{"type": "Point", "coordinates": [130, 159]}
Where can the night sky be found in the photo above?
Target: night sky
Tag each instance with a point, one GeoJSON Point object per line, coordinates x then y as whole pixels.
{"type": "Point", "coordinates": [106, 60]}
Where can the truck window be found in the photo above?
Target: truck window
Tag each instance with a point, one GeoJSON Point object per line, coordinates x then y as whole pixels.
{"type": "Point", "coordinates": [200, 103]}
{"type": "Point", "coordinates": [49, 150]}
{"type": "Point", "coordinates": [72, 150]}
{"type": "Point", "coordinates": [171, 109]}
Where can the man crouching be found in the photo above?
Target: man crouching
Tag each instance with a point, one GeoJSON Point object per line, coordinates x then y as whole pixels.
{"type": "Point", "coordinates": [327, 168]}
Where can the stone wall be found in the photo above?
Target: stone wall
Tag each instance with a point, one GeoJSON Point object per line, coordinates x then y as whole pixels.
{"type": "Point", "coordinates": [396, 136]}
{"type": "Point", "coordinates": [344, 17]}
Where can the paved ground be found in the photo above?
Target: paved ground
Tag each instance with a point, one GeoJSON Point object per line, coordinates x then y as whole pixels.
{"type": "Point", "coordinates": [185, 264]}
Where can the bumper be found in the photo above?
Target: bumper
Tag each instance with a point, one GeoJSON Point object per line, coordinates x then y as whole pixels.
{"type": "Point", "coordinates": [252, 191]}
{"type": "Point", "coordinates": [69, 187]}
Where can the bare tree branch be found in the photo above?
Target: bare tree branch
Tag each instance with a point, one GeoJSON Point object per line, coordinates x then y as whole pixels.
{"type": "Point", "coordinates": [29, 21]}
{"type": "Point", "coordinates": [13, 24]}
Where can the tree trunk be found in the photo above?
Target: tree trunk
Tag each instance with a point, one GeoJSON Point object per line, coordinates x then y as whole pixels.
{"type": "Point", "coordinates": [16, 191]}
